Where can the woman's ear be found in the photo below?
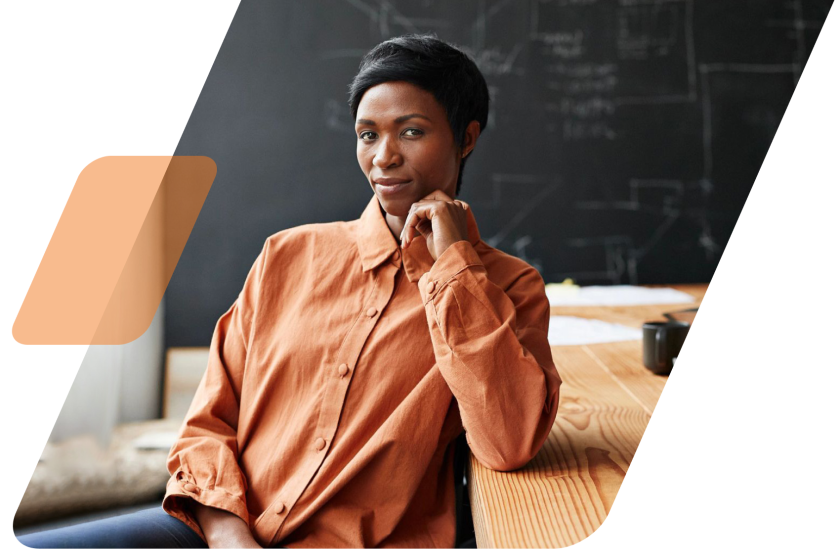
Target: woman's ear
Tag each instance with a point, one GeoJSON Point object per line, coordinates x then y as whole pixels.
{"type": "Point", "coordinates": [470, 138]}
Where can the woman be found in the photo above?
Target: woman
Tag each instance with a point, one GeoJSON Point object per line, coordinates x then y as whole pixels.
{"type": "Point", "coordinates": [358, 351]}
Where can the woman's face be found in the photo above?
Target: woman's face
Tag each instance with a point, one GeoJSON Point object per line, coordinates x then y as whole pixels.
{"type": "Point", "coordinates": [405, 146]}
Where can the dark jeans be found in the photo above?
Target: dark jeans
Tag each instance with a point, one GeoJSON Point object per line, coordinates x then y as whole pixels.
{"type": "Point", "coordinates": [147, 528]}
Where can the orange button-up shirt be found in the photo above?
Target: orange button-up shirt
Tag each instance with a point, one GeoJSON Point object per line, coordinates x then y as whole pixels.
{"type": "Point", "coordinates": [343, 372]}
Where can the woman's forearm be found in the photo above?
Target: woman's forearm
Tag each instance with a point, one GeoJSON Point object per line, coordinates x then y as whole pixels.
{"type": "Point", "coordinates": [223, 529]}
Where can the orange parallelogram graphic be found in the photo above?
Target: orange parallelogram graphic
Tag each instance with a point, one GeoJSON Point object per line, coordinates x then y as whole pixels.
{"type": "Point", "coordinates": [114, 250]}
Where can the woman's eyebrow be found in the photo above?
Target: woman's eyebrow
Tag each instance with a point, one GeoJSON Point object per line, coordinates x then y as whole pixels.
{"type": "Point", "coordinates": [397, 120]}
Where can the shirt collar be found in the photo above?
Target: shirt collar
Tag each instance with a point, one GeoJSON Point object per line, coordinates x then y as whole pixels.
{"type": "Point", "coordinates": [377, 244]}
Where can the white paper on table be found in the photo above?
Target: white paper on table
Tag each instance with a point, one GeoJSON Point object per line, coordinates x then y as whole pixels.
{"type": "Point", "coordinates": [559, 295]}
{"type": "Point", "coordinates": [570, 331]}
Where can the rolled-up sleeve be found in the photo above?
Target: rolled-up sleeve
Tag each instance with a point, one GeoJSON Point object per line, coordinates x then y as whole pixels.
{"type": "Point", "coordinates": [491, 346]}
{"type": "Point", "coordinates": [203, 461]}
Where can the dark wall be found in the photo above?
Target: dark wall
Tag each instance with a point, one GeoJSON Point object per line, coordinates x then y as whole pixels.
{"type": "Point", "coordinates": [624, 136]}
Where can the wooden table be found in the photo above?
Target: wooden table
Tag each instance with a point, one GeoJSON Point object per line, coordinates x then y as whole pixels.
{"type": "Point", "coordinates": [607, 397]}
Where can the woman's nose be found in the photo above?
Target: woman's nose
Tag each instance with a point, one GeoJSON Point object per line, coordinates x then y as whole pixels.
{"type": "Point", "coordinates": [387, 154]}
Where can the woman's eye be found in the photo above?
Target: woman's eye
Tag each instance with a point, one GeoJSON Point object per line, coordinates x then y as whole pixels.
{"type": "Point", "coordinates": [368, 135]}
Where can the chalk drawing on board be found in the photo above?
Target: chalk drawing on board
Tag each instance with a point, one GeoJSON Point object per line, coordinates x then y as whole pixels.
{"type": "Point", "coordinates": [660, 198]}
{"type": "Point", "coordinates": [492, 60]}
{"type": "Point", "coordinates": [663, 46]}
{"type": "Point", "coordinates": [480, 25]}
{"type": "Point", "coordinates": [669, 204]}
{"type": "Point", "coordinates": [646, 30]}
{"type": "Point", "coordinates": [388, 21]}
{"type": "Point", "coordinates": [582, 78]}
{"type": "Point", "coordinates": [797, 25]}
{"type": "Point", "coordinates": [618, 262]}
{"type": "Point", "coordinates": [584, 107]}
{"type": "Point", "coordinates": [562, 44]}
{"type": "Point", "coordinates": [706, 100]}
{"type": "Point", "coordinates": [524, 193]}
{"type": "Point", "coordinates": [520, 246]}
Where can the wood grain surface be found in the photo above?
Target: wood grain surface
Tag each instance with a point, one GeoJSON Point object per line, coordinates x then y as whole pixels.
{"type": "Point", "coordinates": [607, 397]}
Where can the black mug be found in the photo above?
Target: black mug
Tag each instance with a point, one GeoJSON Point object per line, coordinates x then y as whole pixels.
{"type": "Point", "coordinates": [662, 341]}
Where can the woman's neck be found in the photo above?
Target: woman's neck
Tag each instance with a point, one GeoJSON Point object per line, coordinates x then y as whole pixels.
{"type": "Point", "coordinates": [395, 223]}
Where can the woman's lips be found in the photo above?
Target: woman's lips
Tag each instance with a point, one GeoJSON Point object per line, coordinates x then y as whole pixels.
{"type": "Point", "coordinates": [391, 189]}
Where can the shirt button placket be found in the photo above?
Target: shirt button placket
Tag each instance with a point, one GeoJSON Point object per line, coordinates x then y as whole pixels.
{"type": "Point", "coordinates": [335, 394]}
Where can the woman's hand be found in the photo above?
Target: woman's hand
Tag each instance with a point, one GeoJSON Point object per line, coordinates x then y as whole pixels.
{"type": "Point", "coordinates": [223, 529]}
{"type": "Point", "coordinates": [441, 220]}
{"type": "Point", "coordinates": [242, 541]}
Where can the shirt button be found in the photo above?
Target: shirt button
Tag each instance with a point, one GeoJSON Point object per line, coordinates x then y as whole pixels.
{"type": "Point", "coordinates": [371, 311]}
{"type": "Point", "coordinates": [342, 370]}
{"type": "Point", "coordinates": [281, 509]}
{"type": "Point", "coordinates": [190, 487]}
{"type": "Point", "coordinates": [320, 443]}
{"type": "Point", "coordinates": [430, 287]}
{"type": "Point", "coordinates": [396, 256]}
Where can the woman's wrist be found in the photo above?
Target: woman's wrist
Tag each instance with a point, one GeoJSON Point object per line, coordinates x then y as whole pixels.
{"type": "Point", "coordinates": [223, 529]}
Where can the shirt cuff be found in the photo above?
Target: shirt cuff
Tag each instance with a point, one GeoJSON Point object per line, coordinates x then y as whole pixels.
{"type": "Point", "coordinates": [181, 488]}
{"type": "Point", "coordinates": [456, 258]}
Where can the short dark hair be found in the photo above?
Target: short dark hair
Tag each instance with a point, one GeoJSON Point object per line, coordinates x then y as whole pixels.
{"type": "Point", "coordinates": [435, 66]}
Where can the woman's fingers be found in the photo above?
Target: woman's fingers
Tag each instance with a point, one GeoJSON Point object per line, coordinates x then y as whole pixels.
{"type": "Point", "coordinates": [419, 217]}
{"type": "Point", "coordinates": [419, 212]}
{"type": "Point", "coordinates": [437, 195]}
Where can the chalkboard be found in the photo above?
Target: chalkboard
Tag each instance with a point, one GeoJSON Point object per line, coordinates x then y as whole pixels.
{"type": "Point", "coordinates": [624, 135]}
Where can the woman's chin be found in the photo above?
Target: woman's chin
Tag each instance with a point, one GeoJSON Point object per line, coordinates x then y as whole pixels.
{"type": "Point", "coordinates": [396, 208]}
